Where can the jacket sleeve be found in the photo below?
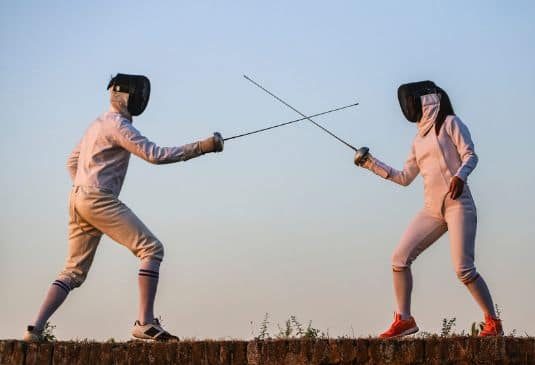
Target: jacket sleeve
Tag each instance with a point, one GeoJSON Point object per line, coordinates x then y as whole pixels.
{"type": "Point", "coordinates": [72, 161]}
{"type": "Point", "coordinates": [131, 140]}
{"type": "Point", "coordinates": [403, 177]}
{"type": "Point", "coordinates": [460, 135]}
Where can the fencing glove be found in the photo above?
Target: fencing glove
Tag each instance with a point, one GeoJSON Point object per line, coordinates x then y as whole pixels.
{"type": "Point", "coordinates": [212, 144]}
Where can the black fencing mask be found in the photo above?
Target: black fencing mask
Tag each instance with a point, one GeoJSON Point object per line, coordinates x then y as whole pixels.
{"type": "Point", "coordinates": [409, 98]}
{"type": "Point", "coordinates": [137, 87]}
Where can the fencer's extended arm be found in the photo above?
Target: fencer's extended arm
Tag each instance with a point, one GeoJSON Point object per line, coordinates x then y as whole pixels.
{"type": "Point", "coordinates": [131, 140]}
{"type": "Point", "coordinates": [403, 177]}
{"type": "Point", "coordinates": [72, 161]}
{"type": "Point", "coordinates": [460, 135]}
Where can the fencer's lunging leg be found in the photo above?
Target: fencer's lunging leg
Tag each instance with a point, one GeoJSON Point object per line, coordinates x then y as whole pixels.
{"type": "Point", "coordinates": [148, 284]}
{"type": "Point", "coordinates": [55, 296]}
{"type": "Point", "coordinates": [422, 232]}
{"type": "Point", "coordinates": [83, 243]}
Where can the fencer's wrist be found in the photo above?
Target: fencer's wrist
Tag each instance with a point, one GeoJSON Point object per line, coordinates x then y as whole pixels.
{"type": "Point", "coordinates": [360, 161]}
{"type": "Point", "coordinates": [206, 145]}
{"type": "Point", "coordinates": [368, 161]}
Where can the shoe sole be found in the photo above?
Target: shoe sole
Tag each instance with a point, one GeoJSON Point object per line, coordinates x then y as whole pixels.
{"type": "Point", "coordinates": [141, 339]}
{"type": "Point", "coordinates": [132, 338]}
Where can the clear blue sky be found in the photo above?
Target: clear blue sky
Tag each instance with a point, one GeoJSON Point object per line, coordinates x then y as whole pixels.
{"type": "Point", "coordinates": [281, 222]}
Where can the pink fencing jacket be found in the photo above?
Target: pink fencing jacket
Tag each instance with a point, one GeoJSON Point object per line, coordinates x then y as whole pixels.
{"type": "Point", "coordinates": [436, 158]}
{"type": "Point", "coordinates": [101, 158]}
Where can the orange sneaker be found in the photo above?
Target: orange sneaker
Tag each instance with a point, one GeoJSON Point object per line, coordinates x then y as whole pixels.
{"type": "Point", "coordinates": [493, 327]}
{"type": "Point", "coordinates": [400, 327]}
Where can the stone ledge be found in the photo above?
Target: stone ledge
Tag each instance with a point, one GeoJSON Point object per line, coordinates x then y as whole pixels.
{"type": "Point", "coordinates": [433, 350]}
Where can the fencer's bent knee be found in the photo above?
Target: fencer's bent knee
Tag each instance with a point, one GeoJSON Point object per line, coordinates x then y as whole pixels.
{"type": "Point", "coordinates": [466, 276]}
{"type": "Point", "coordinates": [72, 278]}
{"type": "Point", "coordinates": [400, 261]}
{"type": "Point", "coordinates": [158, 251]}
{"type": "Point", "coordinates": [153, 250]}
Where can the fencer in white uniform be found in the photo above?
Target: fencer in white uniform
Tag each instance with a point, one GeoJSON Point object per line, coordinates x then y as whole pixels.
{"type": "Point", "coordinates": [98, 166]}
{"type": "Point", "coordinates": [443, 153]}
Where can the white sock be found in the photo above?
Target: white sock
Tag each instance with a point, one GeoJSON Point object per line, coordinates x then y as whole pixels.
{"type": "Point", "coordinates": [148, 283]}
{"type": "Point", "coordinates": [55, 296]}
{"type": "Point", "coordinates": [403, 289]}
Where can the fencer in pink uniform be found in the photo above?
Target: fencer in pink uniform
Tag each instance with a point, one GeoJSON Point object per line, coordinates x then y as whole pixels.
{"type": "Point", "coordinates": [443, 153]}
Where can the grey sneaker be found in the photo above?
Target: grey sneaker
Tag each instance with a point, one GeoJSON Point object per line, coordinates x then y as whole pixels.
{"type": "Point", "coordinates": [151, 332]}
{"type": "Point", "coordinates": [33, 335]}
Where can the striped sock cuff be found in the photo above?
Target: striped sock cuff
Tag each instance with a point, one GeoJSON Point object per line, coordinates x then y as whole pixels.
{"type": "Point", "coordinates": [62, 285]}
{"type": "Point", "coordinates": [149, 273]}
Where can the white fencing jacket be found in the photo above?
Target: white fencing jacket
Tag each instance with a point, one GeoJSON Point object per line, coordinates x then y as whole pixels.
{"type": "Point", "coordinates": [101, 158]}
{"type": "Point", "coordinates": [436, 158]}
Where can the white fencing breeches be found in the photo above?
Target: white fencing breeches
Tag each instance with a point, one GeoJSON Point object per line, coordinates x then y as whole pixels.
{"type": "Point", "coordinates": [94, 212]}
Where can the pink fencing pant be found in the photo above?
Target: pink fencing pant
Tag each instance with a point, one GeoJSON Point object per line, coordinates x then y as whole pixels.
{"type": "Point", "coordinates": [459, 218]}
